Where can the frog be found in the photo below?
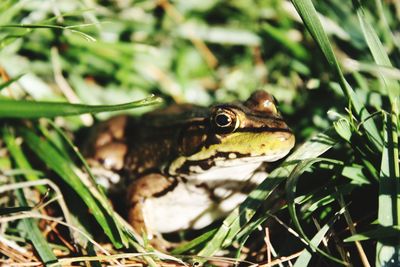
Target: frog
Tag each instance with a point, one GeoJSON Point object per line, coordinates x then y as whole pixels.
{"type": "Point", "coordinates": [185, 166]}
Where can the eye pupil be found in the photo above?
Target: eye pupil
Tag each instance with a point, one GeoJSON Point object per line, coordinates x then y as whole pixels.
{"type": "Point", "coordinates": [223, 120]}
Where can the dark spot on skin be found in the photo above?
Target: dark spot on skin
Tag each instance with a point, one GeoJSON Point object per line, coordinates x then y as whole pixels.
{"type": "Point", "coordinates": [213, 139]}
{"type": "Point", "coordinates": [133, 202]}
{"type": "Point", "coordinates": [210, 191]}
{"type": "Point", "coordinates": [191, 139]}
{"type": "Point", "coordinates": [168, 189]}
{"type": "Point", "coordinates": [138, 220]}
{"type": "Point", "coordinates": [245, 186]}
{"type": "Point", "coordinates": [262, 145]}
{"type": "Point", "coordinates": [206, 164]}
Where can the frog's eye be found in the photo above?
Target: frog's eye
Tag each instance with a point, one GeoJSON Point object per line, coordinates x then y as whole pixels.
{"type": "Point", "coordinates": [223, 120]}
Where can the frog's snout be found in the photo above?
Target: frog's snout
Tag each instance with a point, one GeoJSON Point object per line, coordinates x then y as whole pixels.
{"type": "Point", "coordinates": [287, 139]}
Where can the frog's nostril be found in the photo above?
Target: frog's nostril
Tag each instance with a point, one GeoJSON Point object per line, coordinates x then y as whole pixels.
{"type": "Point", "coordinates": [287, 138]}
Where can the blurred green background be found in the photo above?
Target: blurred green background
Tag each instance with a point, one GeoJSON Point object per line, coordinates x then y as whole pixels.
{"type": "Point", "coordinates": [186, 51]}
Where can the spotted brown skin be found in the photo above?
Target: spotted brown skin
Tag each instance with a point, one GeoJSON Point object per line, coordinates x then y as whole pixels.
{"type": "Point", "coordinates": [191, 151]}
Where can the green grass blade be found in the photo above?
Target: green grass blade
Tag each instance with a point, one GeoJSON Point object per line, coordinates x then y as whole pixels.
{"type": "Point", "coordinates": [42, 247]}
{"type": "Point", "coordinates": [53, 27]}
{"type": "Point", "coordinates": [381, 58]}
{"type": "Point", "coordinates": [21, 160]}
{"type": "Point", "coordinates": [233, 224]}
{"type": "Point", "coordinates": [305, 256]}
{"type": "Point", "coordinates": [98, 194]}
{"type": "Point", "coordinates": [66, 170]}
{"type": "Point", "coordinates": [7, 83]}
{"type": "Point", "coordinates": [29, 225]}
{"type": "Point", "coordinates": [33, 26]}
{"type": "Point", "coordinates": [379, 232]}
{"type": "Point", "coordinates": [307, 11]}
{"type": "Point", "coordinates": [291, 186]}
{"type": "Point", "coordinates": [194, 243]}
{"type": "Point", "coordinates": [388, 250]}
{"type": "Point", "coordinates": [41, 109]}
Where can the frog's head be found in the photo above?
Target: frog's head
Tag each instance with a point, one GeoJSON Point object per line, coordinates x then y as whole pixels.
{"type": "Point", "coordinates": [233, 134]}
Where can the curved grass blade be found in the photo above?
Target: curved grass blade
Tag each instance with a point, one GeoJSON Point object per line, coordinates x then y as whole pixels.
{"type": "Point", "coordinates": [240, 216]}
{"type": "Point", "coordinates": [29, 225]}
{"type": "Point", "coordinates": [7, 83]}
{"type": "Point", "coordinates": [193, 243]}
{"type": "Point", "coordinates": [306, 255]}
{"type": "Point", "coordinates": [33, 26]}
{"type": "Point", "coordinates": [99, 195]}
{"type": "Point", "coordinates": [307, 12]}
{"type": "Point", "coordinates": [291, 195]}
{"type": "Point", "coordinates": [54, 27]}
{"type": "Point", "coordinates": [20, 158]}
{"type": "Point", "coordinates": [25, 109]}
{"type": "Point", "coordinates": [65, 169]}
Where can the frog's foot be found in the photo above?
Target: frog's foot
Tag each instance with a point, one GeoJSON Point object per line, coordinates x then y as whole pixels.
{"type": "Point", "coordinates": [160, 243]}
{"type": "Point", "coordinates": [109, 179]}
{"type": "Point", "coordinates": [147, 187]}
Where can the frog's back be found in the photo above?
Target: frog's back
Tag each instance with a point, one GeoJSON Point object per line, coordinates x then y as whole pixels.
{"type": "Point", "coordinates": [175, 116]}
{"type": "Point", "coordinates": [138, 145]}
{"type": "Point", "coordinates": [154, 139]}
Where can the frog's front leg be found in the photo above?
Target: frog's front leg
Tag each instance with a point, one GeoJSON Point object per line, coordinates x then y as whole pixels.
{"type": "Point", "coordinates": [150, 186]}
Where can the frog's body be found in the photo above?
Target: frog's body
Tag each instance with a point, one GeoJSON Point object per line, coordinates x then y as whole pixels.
{"type": "Point", "coordinates": [190, 165]}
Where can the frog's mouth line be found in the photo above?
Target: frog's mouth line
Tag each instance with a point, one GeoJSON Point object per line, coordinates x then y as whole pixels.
{"type": "Point", "coordinates": [228, 159]}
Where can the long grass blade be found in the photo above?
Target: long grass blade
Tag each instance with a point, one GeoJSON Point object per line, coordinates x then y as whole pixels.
{"type": "Point", "coordinates": [7, 83]}
{"type": "Point", "coordinates": [381, 58]}
{"type": "Point", "coordinates": [54, 27]}
{"type": "Point", "coordinates": [309, 15]}
{"type": "Point", "coordinates": [99, 195]}
{"type": "Point", "coordinates": [378, 233]}
{"type": "Point", "coordinates": [388, 249]}
{"type": "Point", "coordinates": [40, 109]}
